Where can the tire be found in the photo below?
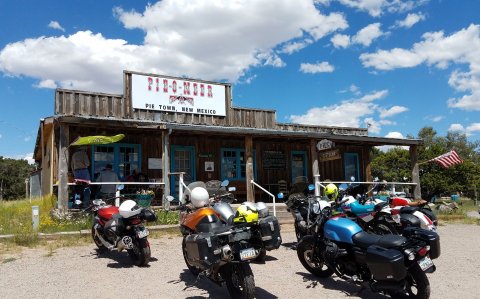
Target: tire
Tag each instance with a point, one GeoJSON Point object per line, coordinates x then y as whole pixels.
{"type": "Point", "coordinates": [298, 233]}
{"type": "Point", "coordinates": [417, 285]}
{"type": "Point", "coordinates": [312, 261]}
{"type": "Point", "coordinates": [97, 241]}
{"type": "Point", "coordinates": [193, 269]}
{"type": "Point", "coordinates": [140, 254]}
{"type": "Point", "coordinates": [239, 280]}
{"type": "Point", "coordinates": [383, 227]}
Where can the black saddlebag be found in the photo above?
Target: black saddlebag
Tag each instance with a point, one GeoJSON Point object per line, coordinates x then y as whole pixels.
{"type": "Point", "coordinates": [431, 238]}
{"type": "Point", "coordinates": [270, 232]}
{"type": "Point", "coordinates": [385, 264]}
{"type": "Point", "coordinates": [203, 249]}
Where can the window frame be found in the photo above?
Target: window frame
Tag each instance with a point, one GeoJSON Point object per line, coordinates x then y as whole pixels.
{"type": "Point", "coordinates": [116, 157]}
{"type": "Point", "coordinates": [302, 153]}
{"type": "Point", "coordinates": [357, 165]}
{"type": "Point", "coordinates": [238, 165]}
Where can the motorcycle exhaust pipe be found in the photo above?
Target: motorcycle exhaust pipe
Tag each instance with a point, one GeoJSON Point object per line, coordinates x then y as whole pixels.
{"type": "Point", "coordinates": [227, 254]}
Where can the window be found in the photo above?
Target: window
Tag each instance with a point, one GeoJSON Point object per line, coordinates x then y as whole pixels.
{"type": "Point", "coordinates": [233, 163]}
{"type": "Point", "coordinates": [299, 162]}
{"type": "Point", "coordinates": [123, 157]}
{"type": "Point", "coordinates": [351, 166]}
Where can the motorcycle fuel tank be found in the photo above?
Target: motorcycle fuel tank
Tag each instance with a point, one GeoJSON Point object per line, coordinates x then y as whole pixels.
{"type": "Point", "coordinates": [107, 212]}
{"type": "Point", "coordinates": [358, 209]}
{"type": "Point", "coordinates": [224, 210]}
{"type": "Point", "coordinates": [341, 229]}
{"type": "Point", "coordinates": [202, 215]}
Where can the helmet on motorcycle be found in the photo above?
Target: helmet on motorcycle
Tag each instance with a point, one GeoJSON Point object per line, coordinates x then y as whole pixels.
{"type": "Point", "coordinates": [331, 191]}
{"type": "Point", "coordinates": [199, 197]}
{"type": "Point", "coordinates": [262, 209]}
{"type": "Point", "coordinates": [246, 213]}
{"type": "Point", "coordinates": [129, 208]}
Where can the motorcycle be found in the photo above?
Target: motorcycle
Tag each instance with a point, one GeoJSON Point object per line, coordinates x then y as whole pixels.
{"type": "Point", "coordinates": [221, 247]}
{"type": "Point", "coordinates": [419, 209]}
{"type": "Point", "coordinates": [119, 228]}
{"type": "Point", "coordinates": [391, 264]}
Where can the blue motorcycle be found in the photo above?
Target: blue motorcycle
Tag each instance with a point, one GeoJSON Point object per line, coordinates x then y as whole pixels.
{"type": "Point", "coordinates": [390, 264]}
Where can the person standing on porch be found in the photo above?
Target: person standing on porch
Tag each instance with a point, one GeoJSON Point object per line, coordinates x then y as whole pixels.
{"type": "Point", "coordinates": [108, 175]}
{"type": "Point", "coordinates": [80, 163]}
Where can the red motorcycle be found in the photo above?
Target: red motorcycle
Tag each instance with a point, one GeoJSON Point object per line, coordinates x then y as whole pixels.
{"type": "Point", "coordinates": [119, 228]}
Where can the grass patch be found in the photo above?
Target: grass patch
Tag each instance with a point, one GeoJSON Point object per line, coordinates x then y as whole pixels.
{"type": "Point", "coordinates": [459, 215]}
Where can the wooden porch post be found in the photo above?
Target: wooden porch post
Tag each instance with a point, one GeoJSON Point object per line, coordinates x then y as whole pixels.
{"type": "Point", "coordinates": [417, 191]}
{"type": "Point", "coordinates": [166, 165]}
{"type": "Point", "coordinates": [315, 173]}
{"type": "Point", "coordinates": [63, 167]}
{"type": "Point", "coordinates": [249, 167]}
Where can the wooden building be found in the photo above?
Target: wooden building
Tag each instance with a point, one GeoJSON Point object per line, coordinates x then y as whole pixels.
{"type": "Point", "coordinates": [180, 125]}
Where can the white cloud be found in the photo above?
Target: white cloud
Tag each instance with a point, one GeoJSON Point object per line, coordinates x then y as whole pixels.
{"type": "Point", "coordinates": [29, 158]}
{"type": "Point", "coordinates": [438, 50]}
{"type": "Point", "coordinates": [435, 119]}
{"type": "Point", "coordinates": [340, 41]}
{"type": "Point", "coordinates": [212, 40]}
{"type": "Point", "coordinates": [349, 113]}
{"type": "Point", "coordinates": [469, 130]}
{"type": "Point", "coordinates": [47, 84]}
{"type": "Point", "coordinates": [384, 113]}
{"type": "Point", "coordinates": [366, 35]}
{"type": "Point", "coordinates": [377, 7]}
{"type": "Point", "coordinates": [386, 148]}
{"type": "Point", "coordinates": [56, 25]}
{"type": "Point", "coordinates": [320, 67]}
{"type": "Point", "coordinates": [293, 47]}
{"type": "Point", "coordinates": [410, 20]}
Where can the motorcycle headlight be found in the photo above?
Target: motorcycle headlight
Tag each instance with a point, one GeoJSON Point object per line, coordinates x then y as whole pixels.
{"type": "Point", "coordinates": [316, 208]}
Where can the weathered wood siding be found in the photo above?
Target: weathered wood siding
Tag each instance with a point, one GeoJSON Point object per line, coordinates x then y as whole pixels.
{"type": "Point", "coordinates": [73, 102]}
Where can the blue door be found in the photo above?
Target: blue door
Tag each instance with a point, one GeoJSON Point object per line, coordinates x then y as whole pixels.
{"type": "Point", "coordinates": [182, 159]}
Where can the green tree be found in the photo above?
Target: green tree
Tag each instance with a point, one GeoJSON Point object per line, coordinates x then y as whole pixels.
{"type": "Point", "coordinates": [12, 177]}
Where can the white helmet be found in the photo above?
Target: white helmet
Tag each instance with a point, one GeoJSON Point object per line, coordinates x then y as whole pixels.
{"type": "Point", "coordinates": [129, 208]}
{"type": "Point", "coordinates": [199, 197]}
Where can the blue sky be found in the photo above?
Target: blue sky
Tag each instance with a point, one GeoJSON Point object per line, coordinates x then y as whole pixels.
{"type": "Point", "coordinates": [392, 66]}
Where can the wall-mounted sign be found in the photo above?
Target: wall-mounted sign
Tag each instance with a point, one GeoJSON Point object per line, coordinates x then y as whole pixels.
{"type": "Point", "coordinates": [209, 166]}
{"type": "Point", "coordinates": [206, 155]}
{"type": "Point", "coordinates": [154, 163]}
{"type": "Point", "coordinates": [325, 144]}
{"type": "Point", "coordinates": [176, 95]}
{"type": "Point", "coordinates": [329, 155]}
{"type": "Point", "coordinates": [274, 160]}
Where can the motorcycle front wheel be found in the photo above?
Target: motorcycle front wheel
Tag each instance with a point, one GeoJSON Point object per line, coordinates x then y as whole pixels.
{"type": "Point", "coordinates": [417, 285]}
{"type": "Point", "coordinates": [193, 269]}
{"type": "Point", "coordinates": [97, 241]}
{"type": "Point", "coordinates": [312, 261]}
{"type": "Point", "coordinates": [239, 280]}
{"type": "Point", "coordinates": [140, 253]}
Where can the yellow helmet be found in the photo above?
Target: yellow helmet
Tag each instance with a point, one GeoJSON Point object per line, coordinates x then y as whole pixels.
{"type": "Point", "coordinates": [331, 191]}
{"type": "Point", "coordinates": [246, 213]}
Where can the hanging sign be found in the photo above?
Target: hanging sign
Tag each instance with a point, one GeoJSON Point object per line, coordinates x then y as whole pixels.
{"type": "Point", "coordinates": [325, 144]}
{"type": "Point", "coordinates": [274, 160]}
{"type": "Point", "coordinates": [177, 95]}
{"type": "Point", "coordinates": [329, 155]}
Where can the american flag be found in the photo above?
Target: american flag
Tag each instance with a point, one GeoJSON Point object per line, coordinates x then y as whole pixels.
{"type": "Point", "coordinates": [448, 159]}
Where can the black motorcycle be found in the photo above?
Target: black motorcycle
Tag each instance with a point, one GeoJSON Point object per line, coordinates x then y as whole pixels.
{"type": "Point", "coordinates": [390, 264]}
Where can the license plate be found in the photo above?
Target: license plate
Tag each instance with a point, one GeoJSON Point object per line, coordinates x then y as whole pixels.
{"type": "Point", "coordinates": [142, 233]}
{"type": "Point", "coordinates": [248, 254]}
{"type": "Point", "coordinates": [425, 263]}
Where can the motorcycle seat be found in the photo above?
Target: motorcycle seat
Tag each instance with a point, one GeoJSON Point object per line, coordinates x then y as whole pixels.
{"type": "Point", "coordinates": [380, 206]}
{"type": "Point", "coordinates": [364, 240]}
{"type": "Point", "coordinates": [408, 210]}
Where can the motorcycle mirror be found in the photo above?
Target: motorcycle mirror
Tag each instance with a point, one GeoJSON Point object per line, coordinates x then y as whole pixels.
{"type": "Point", "coordinates": [170, 198]}
{"type": "Point", "coordinates": [231, 189]}
{"type": "Point", "coordinates": [311, 187]}
{"type": "Point", "coordinates": [225, 183]}
{"type": "Point", "coordinates": [343, 187]}
{"type": "Point", "coordinates": [280, 195]}
{"type": "Point", "coordinates": [120, 187]}
{"type": "Point", "coordinates": [352, 178]}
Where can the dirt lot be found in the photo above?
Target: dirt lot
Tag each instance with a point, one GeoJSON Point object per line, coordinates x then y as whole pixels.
{"type": "Point", "coordinates": [79, 272]}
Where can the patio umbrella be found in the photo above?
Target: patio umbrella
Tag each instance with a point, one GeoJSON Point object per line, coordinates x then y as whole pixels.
{"type": "Point", "coordinates": [89, 140]}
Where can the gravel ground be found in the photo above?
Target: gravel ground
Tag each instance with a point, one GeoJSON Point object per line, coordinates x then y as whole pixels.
{"type": "Point", "coordinates": [79, 272]}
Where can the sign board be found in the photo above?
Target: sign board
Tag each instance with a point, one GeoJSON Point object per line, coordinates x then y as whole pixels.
{"type": "Point", "coordinates": [209, 166]}
{"type": "Point", "coordinates": [154, 163]}
{"type": "Point", "coordinates": [274, 160]}
{"type": "Point", "coordinates": [329, 155]}
{"type": "Point", "coordinates": [177, 95]}
{"type": "Point", "coordinates": [325, 144]}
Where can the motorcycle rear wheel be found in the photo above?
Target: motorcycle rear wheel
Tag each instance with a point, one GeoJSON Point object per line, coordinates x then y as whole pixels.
{"type": "Point", "coordinates": [193, 269]}
{"type": "Point", "coordinates": [417, 285]}
{"type": "Point", "coordinates": [382, 227]}
{"type": "Point", "coordinates": [312, 261]}
{"type": "Point", "coordinates": [140, 254]}
{"type": "Point", "coordinates": [239, 280]}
